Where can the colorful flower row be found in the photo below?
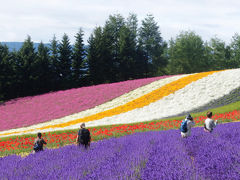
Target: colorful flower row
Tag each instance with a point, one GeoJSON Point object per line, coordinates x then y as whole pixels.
{"type": "Point", "coordinates": [22, 143]}
{"type": "Point", "coordinates": [37, 109]}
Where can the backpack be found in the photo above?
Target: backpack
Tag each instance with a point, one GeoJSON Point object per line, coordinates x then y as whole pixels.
{"type": "Point", "coordinates": [183, 126]}
{"type": "Point", "coordinates": [36, 146]}
{"type": "Point", "coordinates": [84, 136]}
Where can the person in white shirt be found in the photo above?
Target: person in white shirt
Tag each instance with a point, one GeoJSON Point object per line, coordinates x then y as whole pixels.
{"type": "Point", "coordinates": [209, 124]}
{"type": "Point", "coordinates": [190, 124]}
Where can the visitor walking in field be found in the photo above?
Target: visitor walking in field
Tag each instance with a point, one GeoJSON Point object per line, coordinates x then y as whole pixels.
{"type": "Point", "coordinates": [83, 136]}
{"type": "Point", "coordinates": [209, 123]}
{"type": "Point", "coordinates": [38, 143]}
{"type": "Point", "coordinates": [186, 126]}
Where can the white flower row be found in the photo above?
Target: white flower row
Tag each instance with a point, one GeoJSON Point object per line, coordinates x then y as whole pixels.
{"type": "Point", "coordinates": [121, 100]}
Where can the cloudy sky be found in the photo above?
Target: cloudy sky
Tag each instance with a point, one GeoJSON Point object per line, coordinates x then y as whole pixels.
{"type": "Point", "coordinates": [41, 19]}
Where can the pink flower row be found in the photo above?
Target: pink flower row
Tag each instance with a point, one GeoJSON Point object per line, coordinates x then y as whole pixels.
{"type": "Point", "coordinates": [37, 109]}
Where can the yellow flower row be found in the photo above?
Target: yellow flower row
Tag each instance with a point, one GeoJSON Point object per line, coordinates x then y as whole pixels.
{"type": "Point", "coordinates": [137, 103]}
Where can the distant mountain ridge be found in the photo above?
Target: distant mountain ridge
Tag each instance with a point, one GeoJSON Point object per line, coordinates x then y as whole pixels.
{"type": "Point", "coordinates": [17, 45]}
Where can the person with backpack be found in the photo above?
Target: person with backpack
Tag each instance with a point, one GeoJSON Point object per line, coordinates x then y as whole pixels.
{"type": "Point", "coordinates": [38, 143]}
{"type": "Point", "coordinates": [186, 126]}
{"type": "Point", "coordinates": [209, 123]}
{"type": "Point", "coordinates": [83, 136]}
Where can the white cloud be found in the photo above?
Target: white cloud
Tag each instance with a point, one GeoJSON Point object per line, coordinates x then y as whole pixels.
{"type": "Point", "coordinates": [42, 19]}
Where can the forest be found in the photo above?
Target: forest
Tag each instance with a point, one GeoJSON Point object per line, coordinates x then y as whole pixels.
{"type": "Point", "coordinates": [123, 49]}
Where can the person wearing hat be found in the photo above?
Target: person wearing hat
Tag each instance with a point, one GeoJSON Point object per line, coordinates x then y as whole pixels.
{"type": "Point", "coordinates": [83, 136]}
{"type": "Point", "coordinates": [186, 126]}
{"type": "Point", "coordinates": [209, 123]}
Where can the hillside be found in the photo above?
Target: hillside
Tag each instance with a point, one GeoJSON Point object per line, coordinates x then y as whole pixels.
{"type": "Point", "coordinates": [121, 103]}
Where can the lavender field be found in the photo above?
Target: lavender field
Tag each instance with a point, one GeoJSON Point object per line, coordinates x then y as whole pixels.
{"type": "Point", "coordinates": [150, 155]}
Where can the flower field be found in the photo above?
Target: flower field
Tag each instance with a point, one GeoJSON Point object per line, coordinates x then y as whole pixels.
{"type": "Point", "coordinates": [103, 107]}
{"type": "Point", "coordinates": [163, 97]}
{"type": "Point", "coordinates": [31, 110]}
{"type": "Point", "coordinates": [148, 155]}
{"type": "Point", "coordinates": [149, 111]}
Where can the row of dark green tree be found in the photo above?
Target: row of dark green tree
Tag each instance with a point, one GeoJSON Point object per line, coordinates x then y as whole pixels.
{"type": "Point", "coordinates": [120, 50]}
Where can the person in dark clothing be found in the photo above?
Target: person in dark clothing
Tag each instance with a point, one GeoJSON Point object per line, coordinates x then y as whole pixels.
{"type": "Point", "coordinates": [83, 137]}
{"type": "Point", "coordinates": [38, 143]}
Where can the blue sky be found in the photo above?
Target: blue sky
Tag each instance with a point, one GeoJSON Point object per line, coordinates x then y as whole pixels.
{"type": "Point", "coordinates": [42, 19]}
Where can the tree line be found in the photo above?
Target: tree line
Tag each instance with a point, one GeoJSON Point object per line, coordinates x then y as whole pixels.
{"type": "Point", "coordinates": [118, 51]}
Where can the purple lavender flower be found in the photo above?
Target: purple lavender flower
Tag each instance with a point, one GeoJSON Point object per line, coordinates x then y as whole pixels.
{"type": "Point", "coordinates": [150, 155]}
